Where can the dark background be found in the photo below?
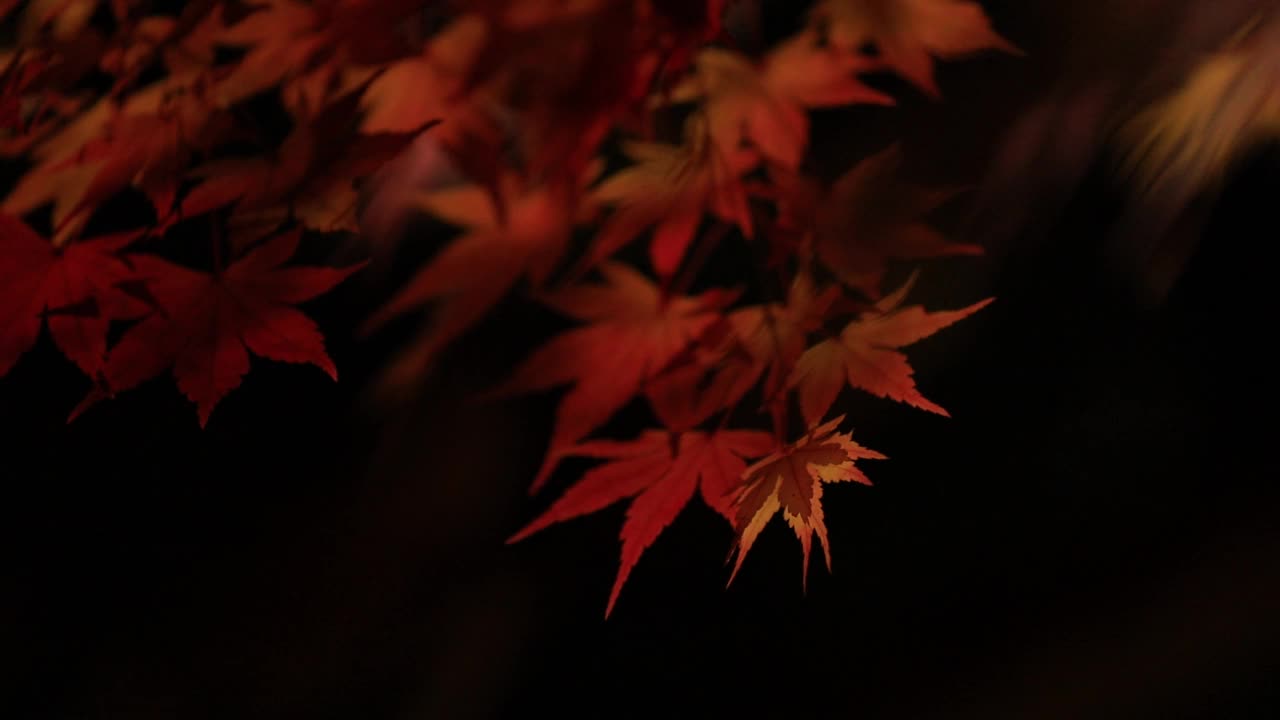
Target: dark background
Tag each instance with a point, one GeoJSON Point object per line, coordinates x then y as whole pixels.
{"type": "Point", "coordinates": [1093, 534]}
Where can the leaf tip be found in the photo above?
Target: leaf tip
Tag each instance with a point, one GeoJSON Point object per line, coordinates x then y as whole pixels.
{"type": "Point", "coordinates": [523, 533]}
{"type": "Point", "coordinates": [93, 398]}
{"type": "Point", "coordinates": [327, 365]}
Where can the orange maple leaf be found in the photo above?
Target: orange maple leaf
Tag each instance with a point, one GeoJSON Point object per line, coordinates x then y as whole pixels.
{"type": "Point", "coordinates": [285, 42]}
{"type": "Point", "coordinates": [765, 102]}
{"type": "Point", "coordinates": [908, 34]}
{"type": "Point", "coordinates": [417, 90]}
{"type": "Point", "coordinates": [791, 480]}
{"type": "Point", "coordinates": [670, 189]}
{"type": "Point", "coordinates": [635, 333]}
{"type": "Point", "coordinates": [866, 356]}
{"type": "Point", "coordinates": [661, 471]}
{"type": "Point", "coordinates": [205, 325]}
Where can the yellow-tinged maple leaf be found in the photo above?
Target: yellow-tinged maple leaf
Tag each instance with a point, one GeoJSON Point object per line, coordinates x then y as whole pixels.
{"type": "Point", "coordinates": [671, 188]}
{"type": "Point", "coordinates": [871, 215]}
{"type": "Point", "coordinates": [908, 34]}
{"type": "Point", "coordinates": [765, 102]}
{"type": "Point", "coordinates": [866, 356]}
{"type": "Point", "coordinates": [635, 332]}
{"type": "Point", "coordinates": [791, 480]}
{"type": "Point", "coordinates": [661, 471]}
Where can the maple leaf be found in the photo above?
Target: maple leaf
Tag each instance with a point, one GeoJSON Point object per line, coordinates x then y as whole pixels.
{"type": "Point", "coordinates": [564, 73]}
{"type": "Point", "coordinates": [661, 471]}
{"type": "Point", "coordinates": [144, 142]}
{"type": "Point", "coordinates": [284, 39]}
{"type": "Point", "coordinates": [815, 75]}
{"type": "Point", "coordinates": [141, 45]}
{"type": "Point", "coordinates": [309, 175]}
{"type": "Point", "coordinates": [417, 90]}
{"type": "Point", "coordinates": [866, 356]}
{"type": "Point", "coordinates": [521, 234]}
{"type": "Point", "coordinates": [21, 72]}
{"type": "Point", "coordinates": [73, 288]}
{"type": "Point", "coordinates": [741, 105]}
{"type": "Point", "coordinates": [870, 215]}
{"type": "Point", "coordinates": [64, 20]}
{"type": "Point", "coordinates": [765, 103]}
{"type": "Point", "coordinates": [908, 34]}
{"type": "Point", "coordinates": [634, 334]}
{"type": "Point", "coordinates": [791, 480]}
{"type": "Point", "coordinates": [304, 47]}
{"type": "Point", "coordinates": [205, 325]}
{"type": "Point", "coordinates": [670, 188]}
{"type": "Point", "coordinates": [771, 338]}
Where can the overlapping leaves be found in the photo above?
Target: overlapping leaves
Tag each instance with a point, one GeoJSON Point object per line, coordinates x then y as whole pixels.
{"type": "Point", "coordinates": [548, 122]}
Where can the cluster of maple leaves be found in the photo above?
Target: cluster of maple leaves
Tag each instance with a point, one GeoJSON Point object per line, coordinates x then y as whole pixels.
{"type": "Point", "coordinates": [577, 131]}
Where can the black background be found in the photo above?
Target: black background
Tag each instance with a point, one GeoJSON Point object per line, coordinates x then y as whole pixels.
{"type": "Point", "coordinates": [1092, 534]}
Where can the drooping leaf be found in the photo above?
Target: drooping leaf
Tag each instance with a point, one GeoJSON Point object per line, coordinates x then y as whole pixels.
{"type": "Point", "coordinates": [790, 480]}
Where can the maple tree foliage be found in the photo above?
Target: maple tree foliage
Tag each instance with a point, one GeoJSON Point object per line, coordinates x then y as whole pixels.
{"type": "Point", "coordinates": [593, 156]}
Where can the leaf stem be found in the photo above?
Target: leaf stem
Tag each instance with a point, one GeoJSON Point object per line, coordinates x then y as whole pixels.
{"type": "Point", "coordinates": [216, 237]}
{"type": "Point", "coordinates": [680, 283]}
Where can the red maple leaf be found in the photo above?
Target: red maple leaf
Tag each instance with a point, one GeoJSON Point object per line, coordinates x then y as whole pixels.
{"type": "Point", "coordinates": [635, 333]}
{"type": "Point", "coordinates": [73, 287]}
{"type": "Point", "coordinates": [661, 471]}
{"type": "Point", "coordinates": [205, 325]}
